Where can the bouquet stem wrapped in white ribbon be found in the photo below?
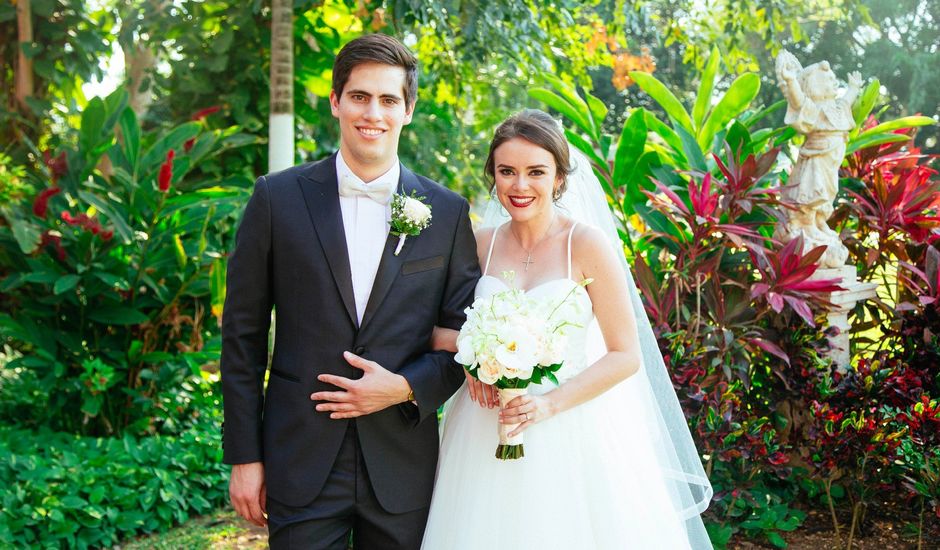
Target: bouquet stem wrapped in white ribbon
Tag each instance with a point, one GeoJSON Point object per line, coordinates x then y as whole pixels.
{"type": "Point", "coordinates": [511, 340]}
{"type": "Point", "coordinates": [509, 448]}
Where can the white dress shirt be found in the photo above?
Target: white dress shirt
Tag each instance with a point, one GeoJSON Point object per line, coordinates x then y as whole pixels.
{"type": "Point", "coordinates": [366, 223]}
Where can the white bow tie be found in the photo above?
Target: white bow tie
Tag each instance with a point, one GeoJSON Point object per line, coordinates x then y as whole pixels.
{"type": "Point", "coordinates": [380, 190]}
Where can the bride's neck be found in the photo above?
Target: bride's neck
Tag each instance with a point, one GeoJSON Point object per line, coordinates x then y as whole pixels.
{"type": "Point", "coordinates": [531, 232]}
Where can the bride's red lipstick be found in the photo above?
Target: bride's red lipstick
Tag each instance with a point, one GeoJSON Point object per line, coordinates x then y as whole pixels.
{"type": "Point", "coordinates": [521, 202]}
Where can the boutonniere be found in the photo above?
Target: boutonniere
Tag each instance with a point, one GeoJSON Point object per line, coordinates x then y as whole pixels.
{"type": "Point", "coordinates": [410, 216]}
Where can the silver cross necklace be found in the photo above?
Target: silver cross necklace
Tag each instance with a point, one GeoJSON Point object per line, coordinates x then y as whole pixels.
{"type": "Point", "coordinates": [528, 259]}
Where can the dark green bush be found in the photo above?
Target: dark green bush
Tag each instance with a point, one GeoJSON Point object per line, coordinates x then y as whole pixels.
{"type": "Point", "coordinates": [112, 274]}
{"type": "Point", "coordinates": [63, 490]}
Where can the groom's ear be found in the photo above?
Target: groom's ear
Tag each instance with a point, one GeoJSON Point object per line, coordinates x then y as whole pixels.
{"type": "Point", "coordinates": [409, 112]}
{"type": "Point", "coordinates": [334, 103]}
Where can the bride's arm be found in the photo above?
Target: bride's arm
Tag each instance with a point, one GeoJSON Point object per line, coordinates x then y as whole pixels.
{"type": "Point", "coordinates": [445, 339]}
{"type": "Point", "coordinates": [614, 311]}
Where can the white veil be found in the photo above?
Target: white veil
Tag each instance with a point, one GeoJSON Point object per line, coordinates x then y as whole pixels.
{"type": "Point", "coordinates": [678, 460]}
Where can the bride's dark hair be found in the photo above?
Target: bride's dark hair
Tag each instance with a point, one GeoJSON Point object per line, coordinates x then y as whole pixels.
{"type": "Point", "coordinates": [538, 128]}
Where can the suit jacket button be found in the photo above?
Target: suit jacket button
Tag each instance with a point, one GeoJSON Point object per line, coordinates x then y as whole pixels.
{"type": "Point", "coordinates": [359, 350]}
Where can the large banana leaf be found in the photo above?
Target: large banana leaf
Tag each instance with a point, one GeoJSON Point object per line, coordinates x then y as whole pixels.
{"type": "Point", "coordinates": [558, 103]}
{"type": "Point", "coordinates": [734, 102]}
{"type": "Point", "coordinates": [705, 87]}
{"type": "Point", "coordinates": [629, 148]}
{"type": "Point", "coordinates": [666, 99]}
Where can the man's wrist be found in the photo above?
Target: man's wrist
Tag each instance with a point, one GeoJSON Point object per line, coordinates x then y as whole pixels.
{"type": "Point", "coordinates": [409, 393]}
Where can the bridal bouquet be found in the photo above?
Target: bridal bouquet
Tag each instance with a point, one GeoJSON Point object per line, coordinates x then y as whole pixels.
{"type": "Point", "coordinates": [511, 340]}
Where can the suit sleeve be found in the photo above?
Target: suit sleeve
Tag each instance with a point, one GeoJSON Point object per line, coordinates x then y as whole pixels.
{"type": "Point", "coordinates": [435, 376]}
{"type": "Point", "coordinates": [246, 319]}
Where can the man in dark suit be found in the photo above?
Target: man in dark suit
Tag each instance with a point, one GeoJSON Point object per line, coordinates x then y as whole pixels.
{"type": "Point", "coordinates": [344, 437]}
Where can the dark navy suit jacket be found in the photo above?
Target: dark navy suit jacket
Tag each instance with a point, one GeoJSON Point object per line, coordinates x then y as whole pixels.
{"type": "Point", "coordinates": [290, 255]}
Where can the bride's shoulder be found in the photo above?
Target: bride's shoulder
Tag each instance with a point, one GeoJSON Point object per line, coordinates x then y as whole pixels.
{"type": "Point", "coordinates": [591, 249]}
{"type": "Point", "coordinates": [587, 239]}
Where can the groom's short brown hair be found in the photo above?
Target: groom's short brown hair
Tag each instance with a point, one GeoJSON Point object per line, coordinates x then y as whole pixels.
{"type": "Point", "coordinates": [376, 48]}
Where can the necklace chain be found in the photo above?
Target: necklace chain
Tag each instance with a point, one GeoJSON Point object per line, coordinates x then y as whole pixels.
{"type": "Point", "coordinates": [528, 259]}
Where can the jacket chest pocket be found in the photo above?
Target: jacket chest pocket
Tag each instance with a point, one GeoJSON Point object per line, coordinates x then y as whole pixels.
{"type": "Point", "coordinates": [420, 266]}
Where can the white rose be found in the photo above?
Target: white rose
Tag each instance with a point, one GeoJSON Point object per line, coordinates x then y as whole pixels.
{"type": "Point", "coordinates": [490, 370]}
{"type": "Point", "coordinates": [416, 211]}
{"type": "Point", "coordinates": [523, 373]}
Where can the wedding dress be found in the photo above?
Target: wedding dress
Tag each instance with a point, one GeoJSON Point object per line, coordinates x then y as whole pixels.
{"type": "Point", "coordinates": [590, 477]}
{"type": "Point", "coordinates": [619, 471]}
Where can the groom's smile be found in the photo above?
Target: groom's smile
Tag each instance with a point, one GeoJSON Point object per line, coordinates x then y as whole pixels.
{"type": "Point", "coordinates": [371, 132]}
{"type": "Point", "coordinates": [371, 110]}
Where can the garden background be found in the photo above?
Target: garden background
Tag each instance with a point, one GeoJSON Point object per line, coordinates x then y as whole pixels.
{"type": "Point", "coordinates": [131, 133]}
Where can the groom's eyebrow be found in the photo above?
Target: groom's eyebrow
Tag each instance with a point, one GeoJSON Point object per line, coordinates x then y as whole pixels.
{"type": "Point", "coordinates": [363, 92]}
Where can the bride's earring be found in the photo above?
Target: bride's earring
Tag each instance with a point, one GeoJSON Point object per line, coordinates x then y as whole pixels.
{"type": "Point", "coordinates": [495, 200]}
{"type": "Point", "coordinates": [556, 194]}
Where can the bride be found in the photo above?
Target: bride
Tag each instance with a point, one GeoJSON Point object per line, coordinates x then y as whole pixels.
{"type": "Point", "coordinates": [609, 462]}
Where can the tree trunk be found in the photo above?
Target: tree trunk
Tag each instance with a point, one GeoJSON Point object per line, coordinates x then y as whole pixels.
{"type": "Point", "coordinates": [138, 64]}
{"type": "Point", "coordinates": [281, 127]}
{"type": "Point", "coordinates": [24, 65]}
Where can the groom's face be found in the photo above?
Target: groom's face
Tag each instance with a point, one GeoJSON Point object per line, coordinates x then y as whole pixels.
{"type": "Point", "coordinates": [372, 111]}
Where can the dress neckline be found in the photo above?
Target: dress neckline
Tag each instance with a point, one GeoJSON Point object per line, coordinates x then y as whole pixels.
{"type": "Point", "coordinates": [534, 287]}
{"type": "Point", "coordinates": [489, 254]}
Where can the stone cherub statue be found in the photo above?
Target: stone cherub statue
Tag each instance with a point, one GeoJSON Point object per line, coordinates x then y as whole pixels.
{"type": "Point", "coordinates": [814, 110]}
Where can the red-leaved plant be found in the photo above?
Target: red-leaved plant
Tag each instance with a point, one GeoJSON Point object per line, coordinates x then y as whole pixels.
{"type": "Point", "coordinates": [786, 277]}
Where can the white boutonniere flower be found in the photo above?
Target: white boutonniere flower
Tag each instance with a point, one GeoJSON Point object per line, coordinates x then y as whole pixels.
{"type": "Point", "coordinates": [410, 216]}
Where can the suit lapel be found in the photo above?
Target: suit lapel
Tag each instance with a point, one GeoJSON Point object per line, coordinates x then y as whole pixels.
{"type": "Point", "coordinates": [321, 193]}
{"type": "Point", "coordinates": [390, 264]}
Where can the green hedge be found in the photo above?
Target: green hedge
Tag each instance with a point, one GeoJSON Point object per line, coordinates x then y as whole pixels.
{"type": "Point", "coordinates": [61, 490]}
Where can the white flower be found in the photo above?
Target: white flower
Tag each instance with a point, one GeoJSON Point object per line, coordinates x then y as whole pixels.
{"type": "Point", "coordinates": [466, 355]}
{"type": "Point", "coordinates": [519, 352]}
{"type": "Point", "coordinates": [490, 371]}
{"type": "Point", "coordinates": [416, 211]}
{"type": "Point", "coordinates": [510, 335]}
{"type": "Point", "coordinates": [553, 349]}
{"type": "Point", "coordinates": [409, 217]}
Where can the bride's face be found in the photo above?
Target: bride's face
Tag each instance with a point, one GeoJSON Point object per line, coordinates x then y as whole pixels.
{"type": "Point", "coordinates": [526, 177]}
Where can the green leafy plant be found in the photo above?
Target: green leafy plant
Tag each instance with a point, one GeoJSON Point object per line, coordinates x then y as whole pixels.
{"type": "Point", "coordinates": [83, 492]}
{"type": "Point", "coordinates": [735, 309]}
{"type": "Point", "coordinates": [111, 270]}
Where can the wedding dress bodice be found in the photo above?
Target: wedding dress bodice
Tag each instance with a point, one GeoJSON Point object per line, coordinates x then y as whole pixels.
{"type": "Point", "coordinates": [553, 291]}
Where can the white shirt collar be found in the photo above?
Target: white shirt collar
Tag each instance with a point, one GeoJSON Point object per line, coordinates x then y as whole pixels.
{"type": "Point", "coordinates": [391, 176]}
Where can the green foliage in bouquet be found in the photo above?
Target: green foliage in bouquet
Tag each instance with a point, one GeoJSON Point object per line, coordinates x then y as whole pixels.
{"type": "Point", "coordinates": [113, 271]}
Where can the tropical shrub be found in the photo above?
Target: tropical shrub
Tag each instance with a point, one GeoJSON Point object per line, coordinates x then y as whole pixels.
{"type": "Point", "coordinates": [112, 273]}
{"type": "Point", "coordinates": [65, 491]}
{"type": "Point", "coordinates": [697, 197]}
{"type": "Point", "coordinates": [737, 313]}
{"type": "Point", "coordinates": [888, 217]}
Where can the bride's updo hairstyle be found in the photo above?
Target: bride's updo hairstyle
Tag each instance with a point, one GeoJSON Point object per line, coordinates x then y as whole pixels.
{"type": "Point", "coordinates": [540, 129]}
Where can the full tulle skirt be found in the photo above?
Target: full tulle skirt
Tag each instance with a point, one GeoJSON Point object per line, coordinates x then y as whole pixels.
{"type": "Point", "coordinates": [590, 479]}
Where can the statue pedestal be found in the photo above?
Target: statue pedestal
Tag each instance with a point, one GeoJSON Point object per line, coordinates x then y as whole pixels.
{"type": "Point", "coordinates": [844, 301]}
